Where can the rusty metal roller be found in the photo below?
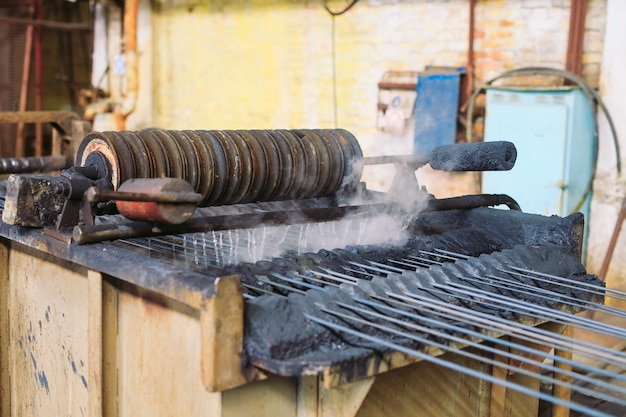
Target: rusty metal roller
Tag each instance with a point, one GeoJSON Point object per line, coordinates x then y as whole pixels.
{"type": "Point", "coordinates": [231, 166]}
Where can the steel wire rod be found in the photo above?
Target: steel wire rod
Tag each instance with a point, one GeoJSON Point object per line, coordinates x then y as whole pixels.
{"type": "Point", "coordinates": [580, 322]}
{"type": "Point", "coordinates": [571, 281]}
{"type": "Point", "coordinates": [475, 334]}
{"type": "Point", "coordinates": [486, 348]}
{"type": "Point", "coordinates": [513, 328]}
{"type": "Point", "coordinates": [459, 368]}
{"type": "Point", "coordinates": [541, 293]}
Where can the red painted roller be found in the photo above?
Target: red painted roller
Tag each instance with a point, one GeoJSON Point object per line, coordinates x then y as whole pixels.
{"type": "Point", "coordinates": [162, 212]}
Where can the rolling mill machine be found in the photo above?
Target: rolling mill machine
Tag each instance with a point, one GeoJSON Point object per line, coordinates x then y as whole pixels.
{"type": "Point", "coordinates": [251, 272]}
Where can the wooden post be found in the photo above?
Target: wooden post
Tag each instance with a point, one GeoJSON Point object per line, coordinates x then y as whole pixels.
{"type": "Point", "coordinates": [498, 392]}
{"type": "Point", "coordinates": [558, 391]}
{"type": "Point", "coordinates": [110, 322]}
{"type": "Point", "coordinates": [19, 143]}
{"type": "Point", "coordinates": [80, 129]}
{"type": "Point", "coordinates": [94, 340]}
{"type": "Point", "coordinates": [345, 400]}
{"type": "Point", "coordinates": [221, 323]}
{"type": "Point", "coordinates": [5, 380]}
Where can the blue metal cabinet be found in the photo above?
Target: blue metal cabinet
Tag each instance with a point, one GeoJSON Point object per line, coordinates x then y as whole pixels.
{"type": "Point", "coordinates": [436, 108]}
{"type": "Point", "coordinates": [553, 132]}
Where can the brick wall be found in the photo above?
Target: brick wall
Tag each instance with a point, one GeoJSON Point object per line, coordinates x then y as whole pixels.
{"type": "Point", "coordinates": [511, 34]}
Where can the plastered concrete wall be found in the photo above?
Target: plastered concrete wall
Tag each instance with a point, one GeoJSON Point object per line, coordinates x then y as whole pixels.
{"type": "Point", "coordinates": [269, 63]}
{"type": "Point", "coordinates": [609, 187]}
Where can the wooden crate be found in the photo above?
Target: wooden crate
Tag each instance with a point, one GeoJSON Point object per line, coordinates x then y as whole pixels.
{"type": "Point", "coordinates": [80, 342]}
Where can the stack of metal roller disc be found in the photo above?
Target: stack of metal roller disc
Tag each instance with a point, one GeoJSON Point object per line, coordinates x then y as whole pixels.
{"type": "Point", "coordinates": [233, 166]}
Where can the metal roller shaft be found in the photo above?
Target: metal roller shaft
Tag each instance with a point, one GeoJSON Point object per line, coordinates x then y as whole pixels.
{"type": "Point", "coordinates": [228, 166]}
{"type": "Point", "coordinates": [32, 164]}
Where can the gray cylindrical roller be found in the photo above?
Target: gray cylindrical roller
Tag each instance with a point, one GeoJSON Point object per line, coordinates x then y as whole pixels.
{"type": "Point", "coordinates": [480, 156]}
{"type": "Point", "coordinates": [230, 167]}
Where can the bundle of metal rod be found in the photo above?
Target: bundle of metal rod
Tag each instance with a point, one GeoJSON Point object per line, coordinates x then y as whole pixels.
{"type": "Point", "coordinates": [459, 312]}
{"type": "Point", "coordinates": [228, 166]}
{"type": "Point", "coordinates": [423, 303]}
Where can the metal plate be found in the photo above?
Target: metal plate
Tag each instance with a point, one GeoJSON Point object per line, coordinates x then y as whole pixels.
{"type": "Point", "coordinates": [286, 165]}
{"type": "Point", "coordinates": [206, 161]}
{"type": "Point", "coordinates": [156, 152]}
{"type": "Point", "coordinates": [337, 157]}
{"type": "Point", "coordinates": [324, 163]}
{"type": "Point", "coordinates": [274, 167]}
{"type": "Point", "coordinates": [115, 149]}
{"type": "Point", "coordinates": [139, 154]}
{"type": "Point", "coordinates": [189, 154]}
{"type": "Point", "coordinates": [354, 163]}
{"type": "Point", "coordinates": [247, 171]}
{"type": "Point", "coordinates": [259, 165]}
{"type": "Point", "coordinates": [303, 182]}
{"type": "Point", "coordinates": [220, 172]}
{"type": "Point", "coordinates": [234, 166]}
{"type": "Point", "coordinates": [173, 152]}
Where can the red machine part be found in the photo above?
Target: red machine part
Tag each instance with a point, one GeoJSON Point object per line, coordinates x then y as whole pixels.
{"type": "Point", "coordinates": [173, 205]}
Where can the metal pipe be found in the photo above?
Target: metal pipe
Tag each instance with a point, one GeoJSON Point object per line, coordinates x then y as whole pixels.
{"type": "Point", "coordinates": [33, 164]}
{"type": "Point", "coordinates": [576, 35]}
{"type": "Point", "coordinates": [488, 326]}
{"type": "Point", "coordinates": [472, 201]}
{"type": "Point", "coordinates": [470, 52]}
{"type": "Point", "coordinates": [545, 294]}
{"type": "Point", "coordinates": [609, 252]}
{"type": "Point", "coordinates": [572, 281]}
{"type": "Point", "coordinates": [127, 106]}
{"type": "Point", "coordinates": [503, 326]}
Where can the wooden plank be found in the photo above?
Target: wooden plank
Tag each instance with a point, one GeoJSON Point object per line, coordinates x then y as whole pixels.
{"type": "Point", "coordinates": [221, 324]}
{"type": "Point", "coordinates": [109, 348]}
{"type": "Point", "coordinates": [307, 396]}
{"type": "Point", "coordinates": [5, 317]}
{"type": "Point", "coordinates": [511, 403]}
{"type": "Point", "coordinates": [49, 355]}
{"type": "Point", "coordinates": [158, 358]}
{"type": "Point", "coordinates": [302, 397]}
{"type": "Point", "coordinates": [94, 341]}
{"type": "Point", "coordinates": [425, 390]}
{"type": "Point", "coordinates": [561, 392]}
{"type": "Point", "coordinates": [46, 24]}
{"type": "Point", "coordinates": [517, 404]}
{"type": "Point", "coordinates": [276, 396]}
{"type": "Point", "coordinates": [498, 392]}
{"type": "Point", "coordinates": [80, 129]}
{"type": "Point", "coordinates": [345, 400]}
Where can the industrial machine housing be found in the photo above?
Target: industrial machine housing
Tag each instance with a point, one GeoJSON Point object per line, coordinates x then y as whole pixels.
{"type": "Point", "coordinates": [243, 314]}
